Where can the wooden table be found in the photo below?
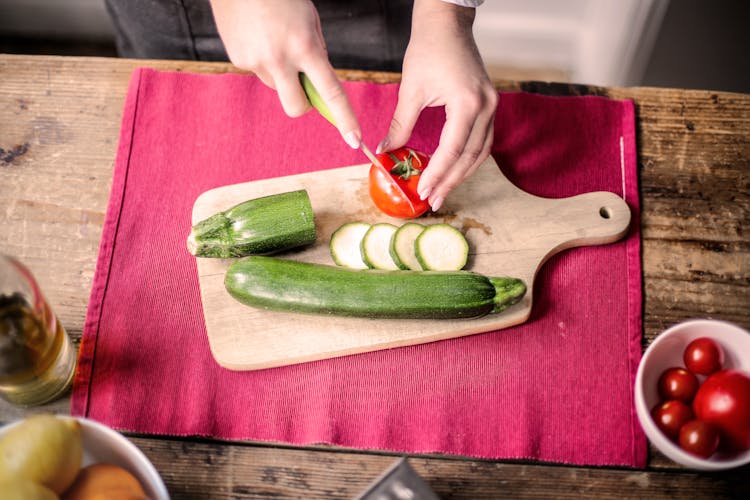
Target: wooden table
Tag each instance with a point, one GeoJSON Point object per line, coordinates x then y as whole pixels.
{"type": "Point", "coordinates": [59, 126]}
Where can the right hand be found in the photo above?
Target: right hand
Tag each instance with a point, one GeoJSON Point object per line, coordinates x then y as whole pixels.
{"type": "Point", "coordinates": [277, 40]}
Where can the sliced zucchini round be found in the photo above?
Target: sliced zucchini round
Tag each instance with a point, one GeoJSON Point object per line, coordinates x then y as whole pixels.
{"type": "Point", "coordinates": [441, 247]}
{"type": "Point", "coordinates": [346, 244]}
{"type": "Point", "coordinates": [376, 246]}
{"type": "Point", "coordinates": [402, 246]}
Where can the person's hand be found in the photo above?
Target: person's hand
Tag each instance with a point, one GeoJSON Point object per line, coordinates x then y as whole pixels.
{"type": "Point", "coordinates": [442, 67]}
{"type": "Point", "coordinates": [277, 40]}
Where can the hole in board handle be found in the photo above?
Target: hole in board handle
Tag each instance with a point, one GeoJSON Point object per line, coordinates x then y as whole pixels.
{"type": "Point", "coordinates": [605, 212]}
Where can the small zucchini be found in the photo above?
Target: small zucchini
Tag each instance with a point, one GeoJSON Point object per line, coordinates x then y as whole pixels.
{"type": "Point", "coordinates": [259, 226]}
{"type": "Point", "coordinates": [286, 285]}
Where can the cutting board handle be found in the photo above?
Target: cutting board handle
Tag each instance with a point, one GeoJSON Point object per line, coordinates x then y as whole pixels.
{"type": "Point", "coordinates": [593, 218]}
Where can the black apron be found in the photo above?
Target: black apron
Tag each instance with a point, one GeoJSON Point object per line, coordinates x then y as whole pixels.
{"type": "Point", "coordinates": [367, 35]}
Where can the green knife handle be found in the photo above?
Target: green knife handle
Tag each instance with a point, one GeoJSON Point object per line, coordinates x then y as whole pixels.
{"type": "Point", "coordinates": [314, 97]}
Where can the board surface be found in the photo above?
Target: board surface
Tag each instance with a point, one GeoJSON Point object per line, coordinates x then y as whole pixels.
{"type": "Point", "coordinates": [510, 233]}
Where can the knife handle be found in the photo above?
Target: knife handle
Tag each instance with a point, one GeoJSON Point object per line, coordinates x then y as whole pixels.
{"type": "Point", "coordinates": [314, 97]}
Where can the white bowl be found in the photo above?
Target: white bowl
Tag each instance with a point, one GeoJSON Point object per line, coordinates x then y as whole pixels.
{"type": "Point", "coordinates": [666, 351]}
{"type": "Point", "coordinates": [102, 444]}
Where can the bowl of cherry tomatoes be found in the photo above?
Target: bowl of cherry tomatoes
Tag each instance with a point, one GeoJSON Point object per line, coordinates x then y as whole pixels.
{"type": "Point", "coordinates": [692, 394]}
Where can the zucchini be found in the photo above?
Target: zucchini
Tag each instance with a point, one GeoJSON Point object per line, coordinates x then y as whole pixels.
{"type": "Point", "coordinates": [441, 247]}
{"type": "Point", "coordinates": [376, 246]}
{"type": "Point", "coordinates": [286, 285]}
{"type": "Point", "coordinates": [258, 226]}
{"type": "Point", "coordinates": [402, 246]}
{"type": "Point", "coordinates": [346, 245]}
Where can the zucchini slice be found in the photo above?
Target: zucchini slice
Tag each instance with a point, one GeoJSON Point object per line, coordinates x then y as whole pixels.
{"type": "Point", "coordinates": [441, 247]}
{"type": "Point", "coordinates": [346, 244]}
{"type": "Point", "coordinates": [402, 246]}
{"type": "Point", "coordinates": [301, 287]}
{"type": "Point", "coordinates": [376, 246]}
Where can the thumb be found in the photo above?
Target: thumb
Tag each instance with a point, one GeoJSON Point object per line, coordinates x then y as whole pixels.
{"type": "Point", "coordinates": [405, 116]}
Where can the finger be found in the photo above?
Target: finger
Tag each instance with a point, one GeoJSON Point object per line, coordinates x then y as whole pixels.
{"type": "Point", "coordinates": [489, 137]}
{"type": "Point", "coordinates": [453, 138]}
{"type": "Point", "coordinates": [323, 77]}
{"type": "Point", "coordinates": [452, 178]}
{"type": "Point", "coordinates": [460, 173]}
{"type": "Point", "coordinates": [486, 150]}
{"type": "Point", "coordinates": [408, 109]}
{"type": "Point", "coordinates": [291, 94]}
{"type": "Point", "coordinates": [264, 77]}
{"type": "Point", "coordinates": [475, 150]}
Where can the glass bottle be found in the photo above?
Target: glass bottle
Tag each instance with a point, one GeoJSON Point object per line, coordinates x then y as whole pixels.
{"type": "Point", "coordinates": [37, 358]}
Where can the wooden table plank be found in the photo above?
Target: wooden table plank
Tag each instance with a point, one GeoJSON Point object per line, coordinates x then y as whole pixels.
{"type": "Point", "coordinates": [59, 126]}
{"type": "Point", "coordinates": [231, 470]}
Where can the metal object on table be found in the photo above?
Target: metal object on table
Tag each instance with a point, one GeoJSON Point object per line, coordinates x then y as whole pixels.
{"type": "Point", "coordinates": [399, 482]}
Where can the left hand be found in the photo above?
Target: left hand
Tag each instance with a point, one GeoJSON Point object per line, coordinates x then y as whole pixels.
{"type": "Point", "coordinates": [442, 67]}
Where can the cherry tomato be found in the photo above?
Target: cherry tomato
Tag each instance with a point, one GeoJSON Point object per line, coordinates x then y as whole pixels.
{"type": "Point", "coordinates": [678, 383]}
{"type": "Point", "coordinates": [670, 416]}
{"type": "Point", "coordinates": [703, 356]}
{"type": "Point", "coordinates": [699, 438]}
{"type": "Point", "coordinates": [724, 401]}
{"type": "Point", "coordinates": [396, 194]}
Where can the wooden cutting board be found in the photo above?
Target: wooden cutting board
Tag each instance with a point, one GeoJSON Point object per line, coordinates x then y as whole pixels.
{"type": "Point", "coordinates": [510, 233]}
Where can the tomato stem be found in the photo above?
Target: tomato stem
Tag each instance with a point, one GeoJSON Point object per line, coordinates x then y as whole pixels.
{"type": "Point", "coordinates": [409, 168]}
{"type": "Point", "coordinates": [405, 168]}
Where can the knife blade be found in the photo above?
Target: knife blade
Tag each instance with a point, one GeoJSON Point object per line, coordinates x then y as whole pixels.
{"type": "Point", "coordinates": [372, 157]}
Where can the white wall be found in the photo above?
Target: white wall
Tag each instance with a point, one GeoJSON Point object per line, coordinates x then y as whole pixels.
{"type": "Point", "coordinates": [603, 42]}
{"type": "Point", "coordinates": [82, 19]}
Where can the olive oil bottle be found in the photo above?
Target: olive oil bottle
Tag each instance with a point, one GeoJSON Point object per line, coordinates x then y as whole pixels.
{"type": "Point", "coordinates": [37, 359]}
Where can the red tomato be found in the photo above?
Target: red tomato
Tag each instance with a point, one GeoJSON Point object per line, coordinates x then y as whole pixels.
{"type": "Point", "coordinates": [670, 416]}
{"type": "Point", "coordinates": [703, 356]}
{"type": "Point", "coordinates": [678, 383]}
{"type": "Point", "coordinates": [724, 401]}
{"type": "Point", "coordinates": [396, 194]}
{"type": "Point", "coordinates": [699, 438]}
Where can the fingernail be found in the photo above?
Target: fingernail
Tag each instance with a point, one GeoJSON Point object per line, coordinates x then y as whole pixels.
{"type": "Point", "coordinates": [383, 145]}
{"type": "Point", "coordinates": [425, 193]}
{"type": "Point", "coordinates": [437, 203]}
{"type": "Point", "coordinates": [352, 139]}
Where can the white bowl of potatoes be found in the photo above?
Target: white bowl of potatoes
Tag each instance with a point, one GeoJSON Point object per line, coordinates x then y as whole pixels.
{"type": "Point", "coordinates": [50, 457]}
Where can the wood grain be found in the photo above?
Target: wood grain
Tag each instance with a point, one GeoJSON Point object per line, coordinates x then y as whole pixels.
{"type": "Point", "coordinates": [262, 471]}
{"type": "Point", "coordinates": [59, 126]}
{"type": "Point", "coordinates": [499, 246]}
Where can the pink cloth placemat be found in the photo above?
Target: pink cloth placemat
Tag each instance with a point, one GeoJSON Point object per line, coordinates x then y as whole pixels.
{"type": "Point", "coordinates": [557, 388]}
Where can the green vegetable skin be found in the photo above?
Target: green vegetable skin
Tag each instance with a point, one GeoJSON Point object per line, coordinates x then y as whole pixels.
{"type": "Point", "coordinates": [279, 284]}
{"type": "Point", "coordinates": [262, 225]}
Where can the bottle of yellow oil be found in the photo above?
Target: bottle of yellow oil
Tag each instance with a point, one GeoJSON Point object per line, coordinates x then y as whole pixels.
{"type": "Point", "coordinates": [37, 359]}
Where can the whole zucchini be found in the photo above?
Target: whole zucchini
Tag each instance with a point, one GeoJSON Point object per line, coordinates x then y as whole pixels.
{"type": "Point", "coordinates": [262, 225]}
{"type": "Point", "coordinates": [285, 285]}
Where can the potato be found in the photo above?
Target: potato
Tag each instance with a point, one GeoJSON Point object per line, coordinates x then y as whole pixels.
{"type": "Point", "coordinates": [25, 489]}
{"type": "Point", "coordinates": [43, 449]}
{"type": "Point", "coordinates": [105, 481]}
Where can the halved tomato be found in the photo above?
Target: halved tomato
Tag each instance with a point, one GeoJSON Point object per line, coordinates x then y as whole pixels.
{"type": "Point", "coordinates": [396, 194]}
